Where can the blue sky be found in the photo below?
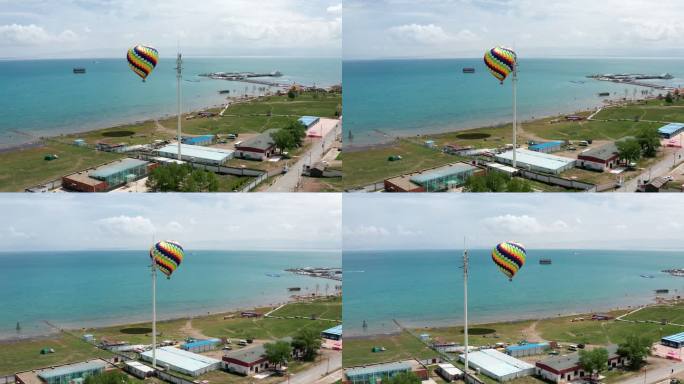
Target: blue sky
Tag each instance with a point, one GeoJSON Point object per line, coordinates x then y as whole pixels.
{"type": "Point", "coordinates": [105, 28]}
{"type": "Point", "coordinates": [543, 221]}
{"type": "Point", "coordinates": [535, 28]}
{"type": "Point", "coordinates": [198, 221]}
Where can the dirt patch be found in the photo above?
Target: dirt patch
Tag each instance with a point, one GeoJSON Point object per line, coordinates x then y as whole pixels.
{"type": "Point", "coordinates": [531, 334]}
{"type": "Point", "coordinates": [118, 133]}
{"type": "Point", "coordinates": [473, 136]}
{"type": "Point", "coordinates": [188, 330]}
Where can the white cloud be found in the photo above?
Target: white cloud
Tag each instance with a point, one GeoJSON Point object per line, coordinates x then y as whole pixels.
{"type": "Point", "coordinates": [335, 9]}
{"type": "Point", "coordinates": [16, 234]}
{"type": "Point", "coordinates": [522, 224]}
{"type": "Point", "coordinates": [650, 30]}
{"type": "Point", "coordinates": [16, 34]}
{"type": "Point", "coordinates": [127, 225]}
{"type": "Point", "coordinates": [174, 227]}
{"type": "Point", "coordinates": [422, 34]}
{"type": "Point", "coordinates": [367, 231]}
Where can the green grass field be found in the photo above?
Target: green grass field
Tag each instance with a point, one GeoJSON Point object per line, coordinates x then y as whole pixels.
{"type": "Point", "coordinates": [399, 347]}
{"type": "Point", "coordinates": [326, 309]}
{"type": "Point", "coordinates": [25, 355]}
{"type": "Point", "coordinates": [366, 167]}
{"type": "Point", "coordinates": [24, 168]}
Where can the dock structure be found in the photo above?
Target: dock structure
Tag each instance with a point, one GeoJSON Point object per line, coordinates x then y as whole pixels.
{"type": "Point", "coordinates": [636, 79]}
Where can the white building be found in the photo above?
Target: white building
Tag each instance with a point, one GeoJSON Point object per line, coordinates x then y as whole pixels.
{"type": "Point", "coordinates": [196, 154]}
{"type": "Point", "coordinates": [536, 161]}
{"type": "Point", "coordinates": [185, 362]}
{"type": "Point", "coordinates": [138, 369]}
{"type": "Point", "coordinates": [448, 372]}
{"type": "Point", "coordinates": [499, 366]}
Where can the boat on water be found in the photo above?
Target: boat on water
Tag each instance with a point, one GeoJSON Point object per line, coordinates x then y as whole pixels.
{"type": "Point", "coordinates": [79, 70]}
{"type": "Point", "coordinates": [294, 289]}
{"type": "Point", "coordinates": [604, 94]}
{"type": "Point", "coordinates": [272, 275]}
{"type": "Point", "coordinates": [545, 261]}
{"type": "Point", "coordinates": [225, 91]}
{"type": "Point", "coordinates": [661, 291]}
{"type": "Point", "coordinates": [468, 70]}
{"type": "Point", "coordinates": [646, 276]}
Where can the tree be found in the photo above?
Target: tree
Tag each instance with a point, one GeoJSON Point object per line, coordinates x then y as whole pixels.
{"type": "Point", "coordinates": [292, 93]}
{"type": "Point", "coordinates": [649, 139]}
{"type": "Point", "coordinates": [278, 353]}
{"type": "Point", "coordinates": [403, 378]}
{"type": "Point", "coordinates": [181, 178]}
{"type": "Point", "coordinates": [594, 361]}
{"type": "Point", "coordinates": [668, 98]}
{"type": "Point", "coordinates": [496, 182]}
{"type": "Point", "coordinates": [635, 349]}
{"type": "Point", "coordinates": [283, 139]}
{"type": "Point", "coordinates": [110, 377]}
{"type": "Point", "coordinates": [297, 130]}
{"type": "Point", "coordinates": [309, 342]}
{"type": "Point", "coordinates": [629, 149]}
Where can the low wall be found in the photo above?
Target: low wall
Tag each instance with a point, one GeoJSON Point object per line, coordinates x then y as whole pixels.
{"type": "Point", "coordinates": [557, 180]}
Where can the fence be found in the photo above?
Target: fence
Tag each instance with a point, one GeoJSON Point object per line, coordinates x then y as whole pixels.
{"type": "Point", "coordinates": [557, 180]}
{"type": "Point", "coordinates": [7, 379]}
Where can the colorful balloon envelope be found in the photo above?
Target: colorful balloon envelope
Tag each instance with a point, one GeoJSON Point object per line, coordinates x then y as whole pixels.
{"type": "Point", "coordinates": [142, 60]}
{"type": "Point", "coordinates": [509, 257]}
{"type": "Point", "coordinates": [167, 256]}
{"type": "Point", "coordinates": [500, 62]}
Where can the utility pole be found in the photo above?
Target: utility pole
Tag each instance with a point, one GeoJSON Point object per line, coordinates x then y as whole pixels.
{"type": "Point", "coordinates": [514, 81]}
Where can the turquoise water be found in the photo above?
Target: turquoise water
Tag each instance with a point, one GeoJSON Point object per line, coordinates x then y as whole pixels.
{"type": "Point", "coordinates": [44, 97]}
{"type": "Point", "coordinates": [409, 97]}
{"type": "Point", "coordinates": [421, 288]}
{"type": "Point", "coordinates": [79, 289]}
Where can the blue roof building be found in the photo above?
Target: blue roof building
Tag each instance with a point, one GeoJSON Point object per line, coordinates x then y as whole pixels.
{"type": "Point", "coordinates": [120, 172]}
{"type": "Point", "coordinates": [673, 341]}
{"type": "Point", "coordinates": [334, 333]}
{"type": "Point", "coordinates": [549, 146]}
{"type": "Point", "coordinates": [527, 349]}
{"type": "Point", "coordinates": [309, 121]}
{"type": "Point", "coordinates": [201, 345]}
{"type": "Point", "coordinates": [198, 140]}
{"type": "Point", "coordinates": [670, 130]}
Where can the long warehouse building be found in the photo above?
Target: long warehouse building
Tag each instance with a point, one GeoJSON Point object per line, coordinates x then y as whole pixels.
{"type": "Point", "coordinates": [536, 161]}
{"type": "Point", "coordinates": [196, 154]}
{"type": "Point", "coordinates": [185, 362]}
{"type": "Point", "coordinates": [499, 366]}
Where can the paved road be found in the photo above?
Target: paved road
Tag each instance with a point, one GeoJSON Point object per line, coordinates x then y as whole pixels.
{"type": "Point", "coordinates": [661, 168]}
{"type": "Point", "coordinates": [331, 363]}
{"type": "Point", "coordinates": [289, 181]}
{"type": "Point", "coordinates": [656, 375]}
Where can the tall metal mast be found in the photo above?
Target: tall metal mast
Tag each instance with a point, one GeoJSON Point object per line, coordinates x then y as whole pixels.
{"type": "Point", "coordinates": [465, 303]}
{"type": "Point", "coordinates": [179, 76]}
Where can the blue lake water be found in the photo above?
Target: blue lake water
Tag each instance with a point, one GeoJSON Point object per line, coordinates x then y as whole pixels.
{"type": "Point", "coordinates": [79, 289]}
{"type": "Point", "coordinates": [44, 97]}
{"type": "Point", "coordinates": [422, 288]}
{"type": "Point", "coordinates": [409, 97]}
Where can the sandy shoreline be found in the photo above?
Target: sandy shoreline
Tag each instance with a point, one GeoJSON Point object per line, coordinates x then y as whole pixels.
{"type": "Point", "coordinates": [133, 322]}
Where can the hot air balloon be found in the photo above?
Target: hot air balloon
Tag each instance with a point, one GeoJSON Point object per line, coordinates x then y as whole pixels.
{"type": "Point", "coordinates": [509, 257]}
{"type": "Point", "coordinates": [500, 62]}
{"type": "Point", "coordinates": [142, 60]}
{"type": "Point", "coordinates": [167, 256]}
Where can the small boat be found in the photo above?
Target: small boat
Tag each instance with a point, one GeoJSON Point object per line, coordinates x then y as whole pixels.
{"type": "Point", "coordinates": [468, 70]}
{"type": "Point", "coordinates": [604, 94]}
{"type": "Point", "coordinates": [662, 291]}
{"type": "Point", "coordinates": [225, 91]}
{"type": "Point", "coordinates": [294, 289]}
{"type": "Point", "coordinates": [645, 276]}
{"type": "Point", "coordinates": [545, 261]}
{"type": "Point", "coordinates": [79, 70]}
{"type": "Point", "coordinates": [272, 275]}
